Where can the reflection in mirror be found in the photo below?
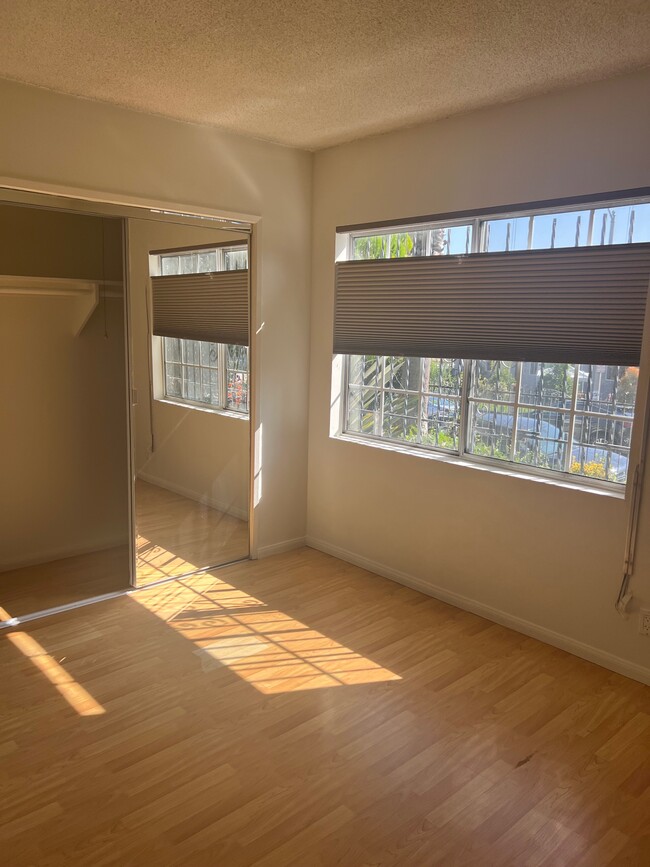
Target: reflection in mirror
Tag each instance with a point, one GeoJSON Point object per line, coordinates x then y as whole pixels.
{"type": "Point", "coordinates": [190, 365]}
{"type": "Point", "coordinates": [64, 496]}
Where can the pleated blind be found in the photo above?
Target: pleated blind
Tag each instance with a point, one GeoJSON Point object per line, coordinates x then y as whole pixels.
{"type": "Point", "coordinates": [583, 305]}
{"type": "Point", "coordinates": [211, 307]}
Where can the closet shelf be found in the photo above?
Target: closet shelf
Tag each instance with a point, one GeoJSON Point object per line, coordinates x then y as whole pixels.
{"type": "Point", "coordinates": [84, 293]}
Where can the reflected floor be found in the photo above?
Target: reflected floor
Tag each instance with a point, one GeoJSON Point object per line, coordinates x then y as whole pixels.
{"type": "Point", "coordinates": [60, 582]}
{"type": "Point", "coordinates": [175, 536]}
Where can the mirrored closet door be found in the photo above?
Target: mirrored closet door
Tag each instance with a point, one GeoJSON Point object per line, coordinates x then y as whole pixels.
{"type": "Point", "coordinates": [189, 320]}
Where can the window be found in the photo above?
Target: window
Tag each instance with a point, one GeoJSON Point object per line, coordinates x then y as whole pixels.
{"type": "Point", "coordinates": [570, 419]}
{"type": "Point", "coordinates": [195, 372]}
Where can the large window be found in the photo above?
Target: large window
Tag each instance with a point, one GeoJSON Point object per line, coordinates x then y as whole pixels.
{"type": "Point", "coordinates": [571, 419]}
{"type": "Point", "coordinates": [195, 372]}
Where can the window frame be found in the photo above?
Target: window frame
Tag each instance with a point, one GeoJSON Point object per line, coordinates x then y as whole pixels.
{"type": "Point", "coordinates": [480, 223]}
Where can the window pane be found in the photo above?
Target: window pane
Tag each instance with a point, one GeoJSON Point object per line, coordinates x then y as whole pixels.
{"type": "Point", "coordinates": [169, 265]}
{"type": "Point", "coordinates": [400, 415]}
{"type": "Point", "coordinates": [206, 261]}
{"type": "Point", "coordinates": [545, 384]}
{"type": "Point", "coordinates": [607, 388]}
{"type": "Point", "coordinates": [189, 263]}
{"type": "Point", "coordinates": [560, 230]}
{"type": "Point", "coordinates": [441, 422]}
{"type": "Point", "coordinates": [237, 390]}
{"type": "Point", "coordinates": [235, 260]}
{"type": "Point", "coordinates": [208, 353]}
{"type": "Point", "coordinates": [459, 240]}
{"type": "Point", "coordinates": [206, 385]}
{"type": "Point", "coordinates": [401, 372]}
{"type": "Point", "coordinates": [443, 375]}
{"type": "Point", "coordinates": [601, 447]}
{"type": "Point", "coordinates": [491, 427]}
{"type": "Point", "coordinates": [237, 357]}
{"type": "Point", "coordinates": [496, 380]}
{"type": "Point", "coordinates": [173, 386]}
{"type": "Point", "coordinates": [509, 233]}
{"type": "Point", "coordinates": [189, 383]}
{"type": "Point", "coordinates": [172, 348]}
{"type": "Point", "coordinates": [541, 438]}
{"type": "Point", "coordinates": [364, 370]}
{"type": "Point", "coordinates": [363, 410]}
{"type": "Point", "coordinates": [622, 224]}
{"type": "Point", "coordinates": [237, 377]}
{"type": "Point", "coordinates": [391, 245]}
{"type": "Point", "coordinates": [438, 241]}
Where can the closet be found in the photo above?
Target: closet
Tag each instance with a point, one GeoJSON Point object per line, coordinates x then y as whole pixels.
{"type": "Point", "coordinates": [125, 388]}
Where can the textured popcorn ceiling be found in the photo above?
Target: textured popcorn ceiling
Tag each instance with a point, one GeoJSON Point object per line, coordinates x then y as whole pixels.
{"type": "Point", "coordinates": [312, 74]}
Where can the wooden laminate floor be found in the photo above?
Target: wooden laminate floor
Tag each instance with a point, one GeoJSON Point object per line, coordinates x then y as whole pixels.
{"type": "Point", "coordinates": [175, 536]}
{"type": "Point", "coordinates": [301, 711]}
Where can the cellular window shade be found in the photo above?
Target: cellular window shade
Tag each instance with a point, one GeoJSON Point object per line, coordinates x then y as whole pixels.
{"type": "Point", "coordinates": [211, 306]}
{"type": "Point", "coordinates": [583, 305]}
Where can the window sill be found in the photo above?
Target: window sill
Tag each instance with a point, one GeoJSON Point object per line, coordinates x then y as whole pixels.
{"type": "Point", "coordinates": [606, 490]}
{"type": "Point", "coordinates": [211, 410]}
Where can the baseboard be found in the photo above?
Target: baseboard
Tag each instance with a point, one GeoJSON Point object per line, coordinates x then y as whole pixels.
{"type": "Point", "coordinates": [228, 508]}
{"type": "Point", "coordinates": [52, 554]}
{"type": "Point", "coordinates": [281, 547]}
{"type": "Point", "coordinates": [518, 624]}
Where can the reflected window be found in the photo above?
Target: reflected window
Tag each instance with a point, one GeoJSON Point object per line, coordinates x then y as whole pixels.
{"type": "Point", "coordinates": [196, 372]}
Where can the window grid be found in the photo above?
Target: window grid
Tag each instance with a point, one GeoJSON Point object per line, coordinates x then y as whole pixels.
{"type": "Point", "coordinates": [225, 391]}
{"type": "Point", "coordinates": [571, 453]}
{"type": "Point", "coordinates": [574, 424]}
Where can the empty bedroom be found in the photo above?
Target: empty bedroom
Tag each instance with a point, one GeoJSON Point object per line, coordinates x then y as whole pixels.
{"type": "Point", "coordinates": [325, 487]}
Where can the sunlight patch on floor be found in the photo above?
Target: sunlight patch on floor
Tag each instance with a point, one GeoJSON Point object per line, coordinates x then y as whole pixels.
{"type": "Point", "coordinates": [76, 696]}
{"type": "Point", "coordinates": [264, 646]}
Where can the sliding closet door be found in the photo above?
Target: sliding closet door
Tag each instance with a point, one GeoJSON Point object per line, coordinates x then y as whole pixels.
{"type": "Point", "coordinates": [63, 438]}
{"type": "Point", "coordinates": [189, 299]}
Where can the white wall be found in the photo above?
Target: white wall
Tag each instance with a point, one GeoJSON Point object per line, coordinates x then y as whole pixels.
{"type": "Point", "coordinates": [545, 558]}
{"type": "Point", "coordinates": [201, 454]}
{"type": "Point", "coordinates": [63, 442]}
{"type": "Point", "coordinates": [62, 140]}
